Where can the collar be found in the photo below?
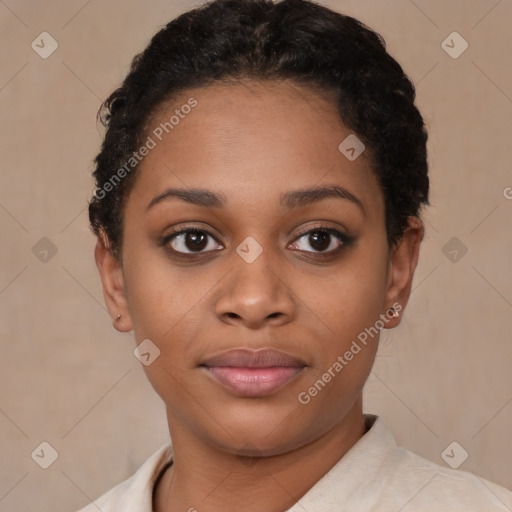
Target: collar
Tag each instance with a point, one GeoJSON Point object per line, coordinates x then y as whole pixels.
{"type": "Point", "coordinates": [348, 482]}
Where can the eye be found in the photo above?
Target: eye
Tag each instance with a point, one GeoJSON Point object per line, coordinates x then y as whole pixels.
{"type": "Point", "coordinates": [321, 240]}
{"type": "Point", "coordinates": [190, 241]}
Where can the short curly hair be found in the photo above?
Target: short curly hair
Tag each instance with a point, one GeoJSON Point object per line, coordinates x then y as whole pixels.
{"type": "Point", "coordinates": [296, 40]}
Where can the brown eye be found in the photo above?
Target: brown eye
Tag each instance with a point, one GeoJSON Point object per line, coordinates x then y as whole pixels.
{"type": "Point", "coordinates": [190, 241]}
{"type": "Point", "coordinates": [321, 240]}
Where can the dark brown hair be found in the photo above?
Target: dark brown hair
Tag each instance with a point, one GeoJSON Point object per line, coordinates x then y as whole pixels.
{"type": "Point", "coordinates": [261, 39]}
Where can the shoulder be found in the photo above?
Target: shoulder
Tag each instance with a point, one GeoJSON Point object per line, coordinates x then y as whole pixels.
{"type": "Point", "coordinates": [377, 475]}
{"type": "Point", "coordinates": [421, 485]}
{"type": "Point", "coordinates": [135, 493]}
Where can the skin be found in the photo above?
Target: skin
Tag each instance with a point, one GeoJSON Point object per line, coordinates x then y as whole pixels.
{"type": "Point", "coordinates": [252, 142]}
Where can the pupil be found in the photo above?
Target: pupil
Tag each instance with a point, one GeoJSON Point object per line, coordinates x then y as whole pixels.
{"type": "Point", "coordinates": [324, 237]}
{"type": "Point", "coordinates": [198, 240]}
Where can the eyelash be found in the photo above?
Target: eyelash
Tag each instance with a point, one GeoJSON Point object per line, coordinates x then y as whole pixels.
{"type": "Point", "coordinates": [345, 240]}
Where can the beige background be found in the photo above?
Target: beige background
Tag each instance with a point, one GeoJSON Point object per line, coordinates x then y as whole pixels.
{"type": "Point", "coordinates": [68, 378]}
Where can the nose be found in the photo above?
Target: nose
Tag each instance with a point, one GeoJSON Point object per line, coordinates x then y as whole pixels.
{"type": "Point", "coordinates": [255, 295]}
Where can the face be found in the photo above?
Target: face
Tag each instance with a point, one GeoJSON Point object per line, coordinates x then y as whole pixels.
{"type": "Point", "coordinates": [265, 266]}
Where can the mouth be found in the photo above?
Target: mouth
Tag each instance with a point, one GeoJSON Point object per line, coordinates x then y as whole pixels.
{"type": "Point", "coordinates": [250, 373]}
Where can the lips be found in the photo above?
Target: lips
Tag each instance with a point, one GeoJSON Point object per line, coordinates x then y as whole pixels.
{"type": "Point", "coordinates": [251, 373]}
{"type": "Point", "coordinates": [263, 358]}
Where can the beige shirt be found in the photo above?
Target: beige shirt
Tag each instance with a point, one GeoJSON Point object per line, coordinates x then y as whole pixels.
{"type": "Point", "coordinates": [375, 475]}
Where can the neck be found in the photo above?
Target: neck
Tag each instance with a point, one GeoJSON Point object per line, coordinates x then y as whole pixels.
{"type": "Point", "coordinates": [210, 479]}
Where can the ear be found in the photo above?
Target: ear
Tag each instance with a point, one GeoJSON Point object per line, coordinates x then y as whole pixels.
{"type": "Point", "coordinates": [402, 264]}
{"type": "Point", "coordinates": [112, 278]}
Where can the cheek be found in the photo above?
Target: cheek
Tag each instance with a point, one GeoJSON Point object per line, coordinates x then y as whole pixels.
{"type": "Point", "coordinates": [344, 313]}
{"type": "Point", "coordinates": [346, 309]}
{"type": "Point", "coordinates": [160, 295]}
{"type": "Point", "coordinates": [349, 299]}
{"type": "Point", "coordinates": [170, 306]}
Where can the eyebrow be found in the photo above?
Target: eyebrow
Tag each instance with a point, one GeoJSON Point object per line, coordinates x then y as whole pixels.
{"type": "Point", "coordinates": [290, 200]}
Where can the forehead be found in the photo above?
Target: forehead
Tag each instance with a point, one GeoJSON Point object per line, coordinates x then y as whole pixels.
{"type": "Point", "coordinates": [252, 141]}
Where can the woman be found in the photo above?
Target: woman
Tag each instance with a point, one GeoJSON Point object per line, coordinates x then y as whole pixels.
{"type": "Point", "coordinates": [257, 210]}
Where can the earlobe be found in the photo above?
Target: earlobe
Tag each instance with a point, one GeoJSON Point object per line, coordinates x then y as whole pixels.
{"type": "Point", "coordinates": [402, 264]}
{"type": "Point", "coordinates": [112, 279]}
